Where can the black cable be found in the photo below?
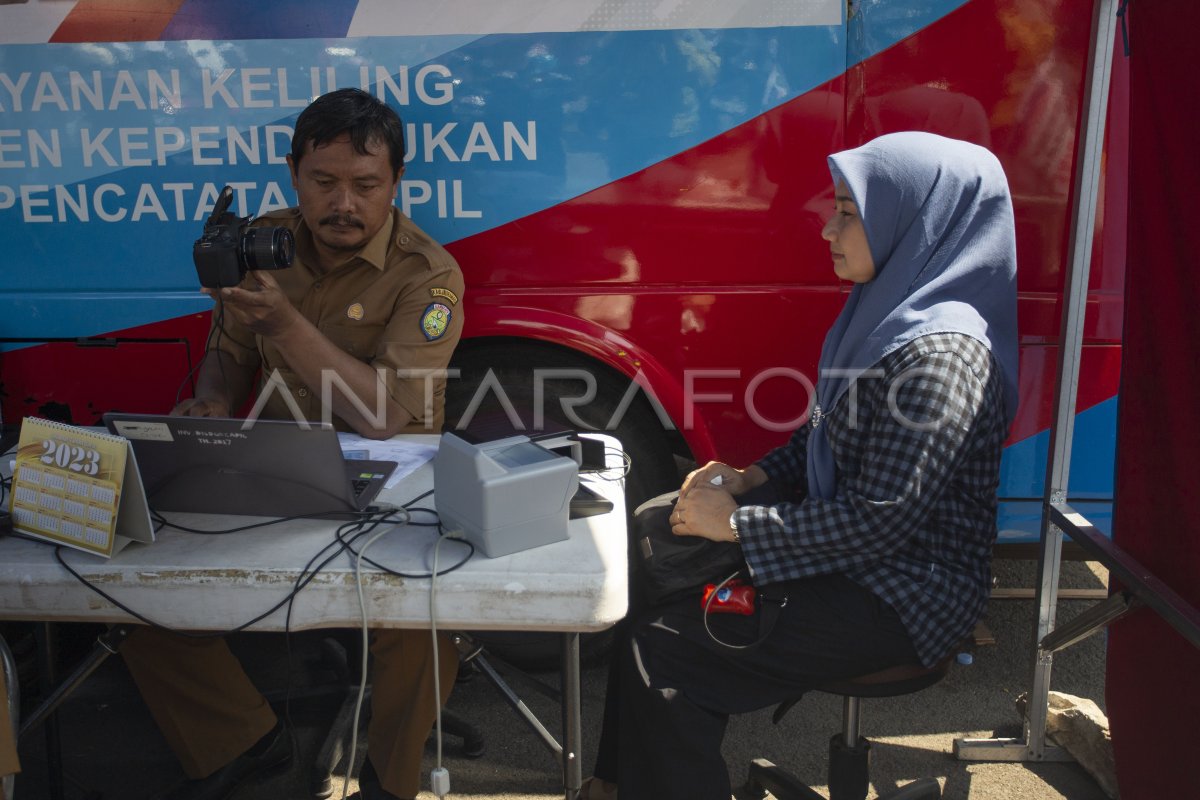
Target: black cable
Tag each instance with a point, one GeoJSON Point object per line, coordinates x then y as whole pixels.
{"type": "Point", "coordinates": [368, 523]}
{"type": "Point", "coordinates": [332, 515]}
{"type": "Point", "coordinates": [287, 628]}
{"type": "Point", "coordinates": [417, 576]}
{"type": "Point", "coordinates": [410, 509]}
{"type": "Point", "coordinates": [421, 496]}
{"type": "Point", "coordinates": [188, 378]}
{"type": "Point", "coordinates": [1121, 15]}
{"type": "Point", "coordinates": [302, 581]}
{"type": "Point", "coordinates": [599, 472]}
{"type": "Point", "coordinates": [218, 328]}
{"type": "Point", "coordinates": [58, 549]}
{"type": "Point", "coordinates": [358, 528]}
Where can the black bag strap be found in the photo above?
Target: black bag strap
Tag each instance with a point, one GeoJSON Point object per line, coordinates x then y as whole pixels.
{"type": "Point", "coordinates": [770, 605]}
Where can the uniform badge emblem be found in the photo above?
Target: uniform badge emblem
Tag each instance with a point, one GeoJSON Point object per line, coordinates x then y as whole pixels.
{"type": "Point", "coordinates": [439, 291]}
{"type": "Point", "coordinates": [355, 311]}
{"type": "Point", "coordinates": [435, 320]}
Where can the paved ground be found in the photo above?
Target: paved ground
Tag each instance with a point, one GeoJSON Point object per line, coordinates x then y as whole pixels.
{"type": "Point", "coordinates": [112, 751]}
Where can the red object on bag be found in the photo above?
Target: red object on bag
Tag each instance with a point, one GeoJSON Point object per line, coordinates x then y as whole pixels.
{"type": "Point", "coordinates": [734, 597]}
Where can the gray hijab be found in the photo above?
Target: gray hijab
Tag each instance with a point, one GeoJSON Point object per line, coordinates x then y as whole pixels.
{"type": "Point", "coordinates": [939, 222]}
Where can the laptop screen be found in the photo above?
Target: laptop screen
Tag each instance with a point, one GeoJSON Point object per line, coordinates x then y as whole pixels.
{"type": "Point", "coordinates": [247, 467]}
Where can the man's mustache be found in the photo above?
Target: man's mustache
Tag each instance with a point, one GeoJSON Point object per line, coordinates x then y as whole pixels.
{"type": "Point", "coordinates": [335, 219]}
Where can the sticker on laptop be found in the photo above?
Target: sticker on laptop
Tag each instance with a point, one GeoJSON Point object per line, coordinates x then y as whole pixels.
{"type": "Point", "coordinates": [144, 431]}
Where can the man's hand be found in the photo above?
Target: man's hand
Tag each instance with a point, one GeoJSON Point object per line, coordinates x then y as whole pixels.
{"type": "Point", "coordinates": [201, 407]}
{"type": "Point", "coordinates": [265, 310]}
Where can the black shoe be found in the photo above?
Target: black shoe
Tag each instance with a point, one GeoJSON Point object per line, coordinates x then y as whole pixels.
{"type": "Point", "coordinates": [368, 785]}
{"type": "Point", "coordinates": [269, 755]}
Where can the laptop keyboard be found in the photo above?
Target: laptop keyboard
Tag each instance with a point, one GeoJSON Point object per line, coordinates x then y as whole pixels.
{"type": "Point", "coordinates": [358, 485]}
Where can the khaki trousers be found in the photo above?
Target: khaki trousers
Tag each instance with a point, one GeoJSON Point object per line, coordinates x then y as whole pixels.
{"type": "Point", "coordinates": [8, 742]}
{"type": "Point", "coordinates": [210, 712]}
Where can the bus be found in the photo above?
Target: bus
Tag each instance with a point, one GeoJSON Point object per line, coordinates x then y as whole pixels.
{"type": "Point", "coordinates": [634, 191]}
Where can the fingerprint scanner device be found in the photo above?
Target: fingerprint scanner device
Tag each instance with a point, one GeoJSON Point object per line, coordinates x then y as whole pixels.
{"type": "Point", "coordinates": [503, 496]}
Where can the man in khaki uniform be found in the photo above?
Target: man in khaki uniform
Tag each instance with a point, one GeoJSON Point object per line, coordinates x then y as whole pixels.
{"type": "Point", "coordinates": [366, 317]}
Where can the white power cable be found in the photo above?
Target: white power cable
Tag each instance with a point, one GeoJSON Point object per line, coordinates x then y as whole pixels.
{"type": "Point", "coordinates": [439, 778]}
{"type": "Point", "coordinates": [366, 642]}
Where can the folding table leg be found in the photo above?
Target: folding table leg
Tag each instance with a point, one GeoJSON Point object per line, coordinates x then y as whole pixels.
{"type": "Point", "coordinates": [13, 700]}
{"type": "Point", "coordinates": [572, 724]}
{"type": "Point", "coordinates": [106, 644]}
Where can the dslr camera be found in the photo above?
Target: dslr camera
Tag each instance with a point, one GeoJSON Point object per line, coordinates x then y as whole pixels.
{"type": "Point", "coordinates": [229, 246]}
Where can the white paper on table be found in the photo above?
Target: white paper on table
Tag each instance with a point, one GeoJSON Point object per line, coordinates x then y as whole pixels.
{"type": "Point", "coordinates": [407, 455]}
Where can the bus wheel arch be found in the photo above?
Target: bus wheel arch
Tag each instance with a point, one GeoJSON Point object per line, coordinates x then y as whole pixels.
{"type": "Point", "coordinates": [508, 385]}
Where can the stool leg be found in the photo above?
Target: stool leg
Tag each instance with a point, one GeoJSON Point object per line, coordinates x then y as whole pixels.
{"type": "Point", "coordinates": [849, 756]}
{"type": "Point", "coordinates": [766, 777]}
{"type": "Point", "coordinates": [923, 789]}
{"type": "Point", "coordinates": [849, 768]}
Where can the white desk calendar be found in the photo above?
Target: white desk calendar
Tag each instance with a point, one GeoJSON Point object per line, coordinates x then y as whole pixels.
{"type": "Point", "coordinates": [78, 487]}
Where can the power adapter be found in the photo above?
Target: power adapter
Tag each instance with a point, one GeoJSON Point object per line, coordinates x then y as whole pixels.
{"type": "Point", "coordinates": [439, 781]}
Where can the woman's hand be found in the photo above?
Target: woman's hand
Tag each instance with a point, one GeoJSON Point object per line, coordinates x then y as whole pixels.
{"type": "Point", "coordinates": [704, 512]}
{"type": "Point", "coordinates": [705, 503]}
{"type": "Point", "coordinates": [734, 481]}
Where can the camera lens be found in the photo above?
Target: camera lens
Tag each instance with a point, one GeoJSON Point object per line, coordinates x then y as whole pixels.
{"type": "Point", "coordinates": [268, 248]}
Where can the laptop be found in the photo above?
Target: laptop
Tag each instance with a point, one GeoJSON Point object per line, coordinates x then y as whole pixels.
{"type": "Point", "coordinates": [263, 468]}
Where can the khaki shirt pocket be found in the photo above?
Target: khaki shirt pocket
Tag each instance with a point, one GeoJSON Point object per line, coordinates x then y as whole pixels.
{"type": "Point", "coordinates": [359, 339]}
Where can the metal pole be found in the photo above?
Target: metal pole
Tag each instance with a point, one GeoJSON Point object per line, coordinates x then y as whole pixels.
{"type": "Point", "coordinates": [1075, 285]}
{"type": "Point", "coordinates": [518, 705]}
{"type": "Point", "coordinates": [47, 657]}
{"type": "Point", "coordinates": [1062, 428]}
{"type": "Point", "coordinates": [106, 645]}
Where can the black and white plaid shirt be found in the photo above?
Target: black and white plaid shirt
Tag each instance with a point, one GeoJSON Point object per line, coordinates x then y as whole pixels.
{"type": "Point", "coordinates": [914, 516]}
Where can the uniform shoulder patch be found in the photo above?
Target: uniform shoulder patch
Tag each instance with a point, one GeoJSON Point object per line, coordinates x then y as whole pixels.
{"type": "Point", "coordinates": [438, 291]}
{"type": "Point", "coordinates": [435, 321]}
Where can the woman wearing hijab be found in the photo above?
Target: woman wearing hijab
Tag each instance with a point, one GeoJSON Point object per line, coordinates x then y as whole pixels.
{"type": "Point", "coordinates": [884, 554]}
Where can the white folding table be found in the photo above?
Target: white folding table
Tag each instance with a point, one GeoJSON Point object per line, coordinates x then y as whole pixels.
{"type": "Point", "coordinates": [218, 582]}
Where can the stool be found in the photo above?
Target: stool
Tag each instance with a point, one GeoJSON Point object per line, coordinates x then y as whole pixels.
{"type": "Point", "coordinates": [849, 753]}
